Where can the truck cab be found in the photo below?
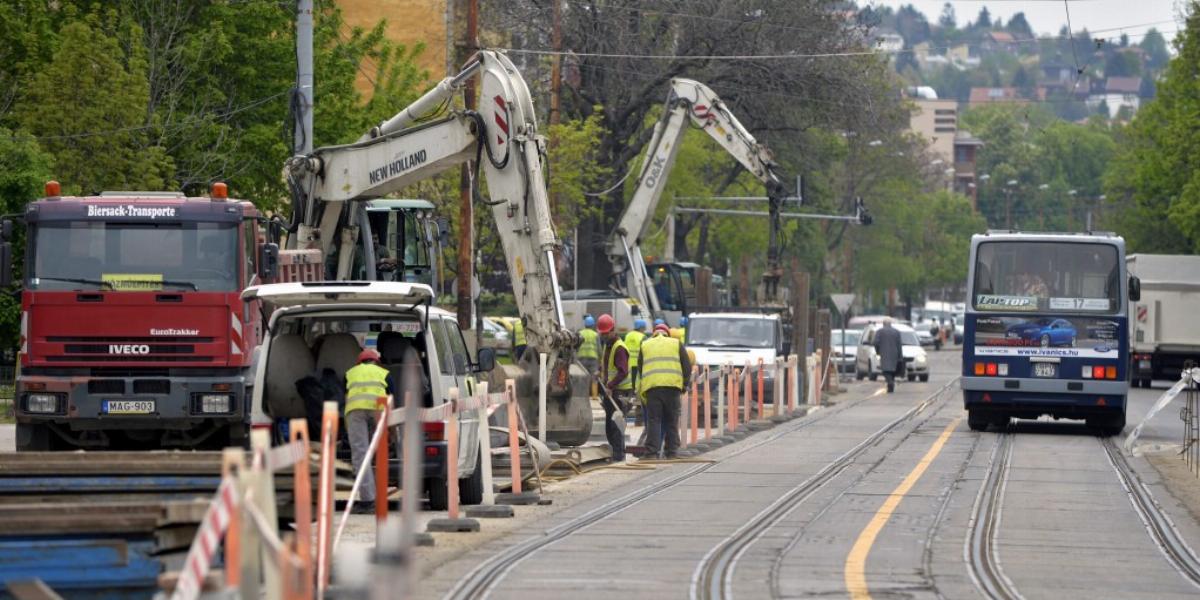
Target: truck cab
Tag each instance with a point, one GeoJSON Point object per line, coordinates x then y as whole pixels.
{"type": "Point", "coordinates": [735, 338]}
{"type": "Point", "coordinates": [132, 331]}
{"type": "Point", "coordinates": [317, 329]}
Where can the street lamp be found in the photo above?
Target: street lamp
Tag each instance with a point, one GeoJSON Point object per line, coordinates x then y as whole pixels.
{"type": "Point", "coordinates": [1042, 207]}
{"type": "Point", "coordinates": [875, 143]}
{"type": "Point", "coordinates": [1008, 189]}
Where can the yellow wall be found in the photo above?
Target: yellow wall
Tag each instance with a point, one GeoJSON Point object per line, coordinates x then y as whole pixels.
{"type": "Point", "coordinates": [408, 22]}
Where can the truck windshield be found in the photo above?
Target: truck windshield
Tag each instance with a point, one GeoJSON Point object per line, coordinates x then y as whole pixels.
{"type": "Point", "coordinates": [742, 333]}
{"type": "Point", "coordinates": [135, 256]}
{"type": "Point", "coordinates": [1047, 276]}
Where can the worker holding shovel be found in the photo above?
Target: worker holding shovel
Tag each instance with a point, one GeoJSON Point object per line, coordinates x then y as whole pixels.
{"type": "Point", "coordinates": [617, 387]}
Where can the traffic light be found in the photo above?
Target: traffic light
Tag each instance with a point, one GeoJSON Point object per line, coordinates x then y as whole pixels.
{"type": "Point", "coordinates": [860, 211]}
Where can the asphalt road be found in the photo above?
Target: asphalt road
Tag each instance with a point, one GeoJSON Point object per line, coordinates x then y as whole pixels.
{"type": "Point", "coordinates": [878, 496]}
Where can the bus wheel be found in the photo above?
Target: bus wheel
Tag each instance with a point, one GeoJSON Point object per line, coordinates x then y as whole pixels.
{"type": "Point", "coordinates": [976, 420]}
{"type": "Point", "coordinates": [1109, 426]}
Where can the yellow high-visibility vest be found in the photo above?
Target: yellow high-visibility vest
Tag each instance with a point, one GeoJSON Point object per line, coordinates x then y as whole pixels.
{"type": "Point", "coordinates": [590, 348]}
{"type": "Point", "coordinates": [365, 383]}
{"type": "Point", "coordinates": [518, 333]}
{"type": "Point", "coordinates": [627, 382]}
{"type": "Point", "coordinates": [633, 343]}
{"type": "Point", "coordinates": [678, 333]}
{"type": "Point", "coordinates": [660, 364]}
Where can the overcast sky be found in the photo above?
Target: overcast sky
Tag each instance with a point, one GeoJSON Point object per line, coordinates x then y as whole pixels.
{"type": "Point", "coordinates": [1047, 16]}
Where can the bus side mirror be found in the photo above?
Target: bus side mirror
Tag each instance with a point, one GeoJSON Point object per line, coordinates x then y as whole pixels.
{"type": "Point", "coordinates": [5, 262]}
{"type": "Point", "coordinates": [268, 262]}
{"type": "Point", "coordinates": [1135, 288]}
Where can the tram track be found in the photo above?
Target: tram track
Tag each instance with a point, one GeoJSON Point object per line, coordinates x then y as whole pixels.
{"type": "Point", "coordinates": [1158, 524]}
{"type": "Point", "coordinates": [979, 549]}
{"type": "Point", "coordinates": [480, 581]}
{"type": "Point", "coordinates": [713, 577]}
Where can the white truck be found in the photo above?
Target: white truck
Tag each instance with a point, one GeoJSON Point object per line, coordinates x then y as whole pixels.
{"type": "Point", "coordinates": [719, 338]}
{"type": "Point", "coordinates": [1163, 330]}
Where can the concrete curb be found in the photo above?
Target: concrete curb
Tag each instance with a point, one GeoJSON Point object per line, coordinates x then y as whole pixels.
{"type": "Point", "coordinates": [452, 525]}
{"type": "Point", "coordinates": [489, 511]}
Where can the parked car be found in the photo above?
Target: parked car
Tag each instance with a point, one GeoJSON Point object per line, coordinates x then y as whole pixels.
{"type": "Point", "coordinates": [916, 362]}
{"type": "Point", "coordinates": [848, 340]}
{"type": "Point", "coordinates": [1046, 332]}
{"type": "Point", "coordinates": [317, 327]}
{"type": "Point", "coordinates": [496, 336]}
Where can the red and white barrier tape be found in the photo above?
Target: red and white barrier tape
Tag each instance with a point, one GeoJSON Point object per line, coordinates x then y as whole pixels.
{"type": "Point", "coordinates": [443, 411]}
{"type": "Point", "coordinates": [206, 542]}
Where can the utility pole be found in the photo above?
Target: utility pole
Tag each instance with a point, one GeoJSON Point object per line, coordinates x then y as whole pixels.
{"type": "Point", "coordinates": [303, 143]}
{"type": "Point", "coordinates": [466, 213]}
{"type": "Point", "coordinates": [556, 64]}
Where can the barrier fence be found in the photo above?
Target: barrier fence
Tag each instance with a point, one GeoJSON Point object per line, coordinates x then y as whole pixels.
{"type": "Point", "coordinates": [259, 560]}
{"type": "Point", "coordinates": [738, 394]}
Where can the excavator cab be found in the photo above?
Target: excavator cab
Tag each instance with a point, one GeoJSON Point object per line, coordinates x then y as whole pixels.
{"type": "Point", "coordinates": [407, 241]}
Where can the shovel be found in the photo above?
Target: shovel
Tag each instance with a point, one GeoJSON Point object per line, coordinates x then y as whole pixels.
{"type": "Point", "coordinates": [618, 416]}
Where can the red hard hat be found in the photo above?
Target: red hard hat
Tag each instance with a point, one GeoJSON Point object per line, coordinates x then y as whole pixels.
{"type": "Point", "coordinates": [604, 324]}
{"type": "Point", "coordinates": [662, 328]}
{"type": "Point", "coordinates": [368, 354]}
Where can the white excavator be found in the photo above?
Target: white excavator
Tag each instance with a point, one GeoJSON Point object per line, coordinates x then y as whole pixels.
{"type": "Point", "coordinates": [689, 102]}
{"type": "Point", "coordinates": [331, 186]}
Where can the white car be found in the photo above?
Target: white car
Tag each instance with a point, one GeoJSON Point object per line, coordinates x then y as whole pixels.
{"type": "Point", "coordinates": [844, 362]}
{"type": "Point", "coordinates": [916, 362]}
{"type": "Point", "coordinates": [314, 328]}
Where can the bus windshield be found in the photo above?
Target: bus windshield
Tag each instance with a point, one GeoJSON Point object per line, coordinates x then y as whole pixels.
{"type": "Point", "coordinates": [1047, 276]}
{"type": "Point", "coordinates": [135, 256]}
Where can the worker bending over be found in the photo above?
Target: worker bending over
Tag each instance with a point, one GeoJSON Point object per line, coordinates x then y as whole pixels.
{"type": "Point", "coordinates": [365, 383]}
{"type": "Point", "coordinates": [615, 377]}
{"type": "Point", "coordinates": [665, 364]}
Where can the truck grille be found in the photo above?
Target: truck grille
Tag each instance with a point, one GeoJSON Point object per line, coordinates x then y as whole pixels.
{"type": "Point", "coordinates": [106, 386]}
{"type": "Point", "coordinates": [151, 386]}
{"type": "Point", "coordinates": [96, 349]}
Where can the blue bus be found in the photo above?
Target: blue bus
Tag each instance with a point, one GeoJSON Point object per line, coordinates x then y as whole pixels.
{"type": "Point", "coordinates": [1046, 329]}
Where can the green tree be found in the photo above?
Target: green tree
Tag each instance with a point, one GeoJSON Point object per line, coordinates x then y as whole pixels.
{"type": "Point", "coordinates": [1155, 46]}
{"type": "Point", "coordinates": [24, 168]}
{"type": "Point", "coordinates": [1154, 182]}
{"type": "Point", "coordinates": [88, 108]}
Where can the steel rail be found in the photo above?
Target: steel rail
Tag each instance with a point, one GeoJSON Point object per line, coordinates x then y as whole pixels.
{"type": "Point", "coordinates": [480, 581]}
{"type": "Point", "coordinates": [713, 577]}
{"type": "Point", "coordinates": [1158, 524]}
{"type": "Point", "coordinates": [979, 549]}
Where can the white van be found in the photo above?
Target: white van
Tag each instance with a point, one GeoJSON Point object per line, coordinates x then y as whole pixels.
{"type": "Point", "coordinates": [315, 331]}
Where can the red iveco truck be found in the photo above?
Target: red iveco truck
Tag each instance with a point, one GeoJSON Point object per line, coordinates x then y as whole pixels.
{"type": "Point", "coordinates": [133, 333]}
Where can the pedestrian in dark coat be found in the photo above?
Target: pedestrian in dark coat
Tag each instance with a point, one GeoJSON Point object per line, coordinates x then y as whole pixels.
{"type": "Point", "coordinates": [891, 355]}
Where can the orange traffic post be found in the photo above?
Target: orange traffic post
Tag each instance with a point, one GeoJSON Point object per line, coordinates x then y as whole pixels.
{"type": "Point", "coordinates": [733, 398]}
{"type": "Point", "coordinates": [298, 433]}
{"type": "Point", "coordinates": [514, 441]}
{"type": "Point", "coordinates": [695, 405]}
{"type": "Point", "coordinates": [383, 405]}
{"type": "Point", "coordinates": [707, 406]}
{"type": "Point", "coordinates": [232, 461]}
{"type": "Point", "coordinates": [452, 456]}
{"type": "Point", "coordinates": [760, 389]}
{"type": "Point", "coordinates": [329, 431]}
{"type": "Point", "coordinates": [749, 397]}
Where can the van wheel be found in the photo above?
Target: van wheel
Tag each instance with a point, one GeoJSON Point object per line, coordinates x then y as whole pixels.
{"type": "Point", "coordinates": [873, 376]}
{"type": "Point", "coordinates": [470, 489]}
{"type": "Point", "coordinates": [924, 378]}
{"type": "Point", "coordinates": [912, 377]}
{"type": "Point", "coordinates": [439, 495]}
{"type": "Point", "coordinates": [858, 375]}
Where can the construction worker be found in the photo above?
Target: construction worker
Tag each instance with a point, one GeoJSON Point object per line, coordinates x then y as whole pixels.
{"type": "Point", "coordinates": [665, 365]}
{"type": "Point", "coordinates": [680, 332]}
{"type": "Point", "coordinates": [365, 383]}
{"type": "Point", "coordinates": [518, 339]}
{"type": "Point", "coordinates": [633, 342]}
{"type": "Point", "coordinates": [589, 346]}
{"type": "Point", "coordinates": [615, 378]}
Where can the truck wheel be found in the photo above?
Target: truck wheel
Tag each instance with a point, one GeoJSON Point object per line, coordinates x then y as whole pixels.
{"type": "Point", "coordinates": [439, 495]}
{"type": "Point", "coordinates": [470, 489]}
{"type": "Point", "coordinates": [977, 421]}
{"type": "Point", "coordinates": [34, 438]}
{"type": "Point", "coordinates": [858, 375]}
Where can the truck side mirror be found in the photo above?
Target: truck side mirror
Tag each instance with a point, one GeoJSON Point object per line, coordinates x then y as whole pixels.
{"type": "Point", "coordinates": [268, 262]}
{"type": "Point", "coordinates": [486, 360]}
{"type": "Point", "coordinates": [5, 263]}
{"type": "Point", "coordinates": [1135, 288]}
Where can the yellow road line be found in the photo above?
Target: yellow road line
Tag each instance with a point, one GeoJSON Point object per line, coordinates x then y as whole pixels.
{"type": "Point", "coordinates": [856, 561]}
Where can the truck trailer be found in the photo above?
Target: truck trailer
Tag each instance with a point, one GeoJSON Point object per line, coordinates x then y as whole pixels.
{"type": "Point", "coordinates": [133, 332]}
{"type": "Point", "coordinates": [1163, 329]}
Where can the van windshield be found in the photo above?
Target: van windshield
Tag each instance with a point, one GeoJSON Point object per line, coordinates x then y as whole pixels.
{"type": "Point", "coordinates": [742, 333]}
